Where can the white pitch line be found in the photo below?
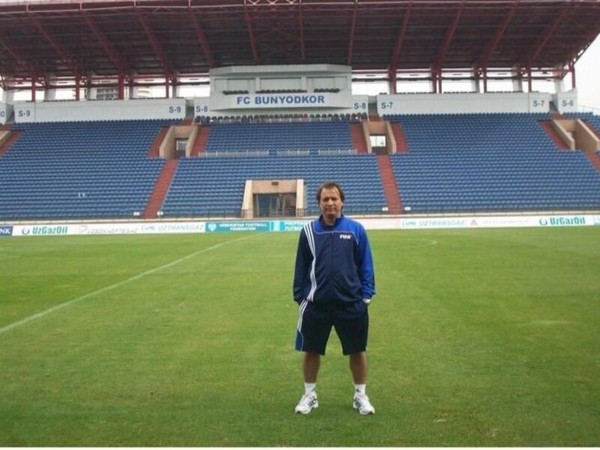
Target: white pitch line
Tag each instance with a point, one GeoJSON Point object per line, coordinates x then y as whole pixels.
{"type": "Point", "coordinates": [112, 286]}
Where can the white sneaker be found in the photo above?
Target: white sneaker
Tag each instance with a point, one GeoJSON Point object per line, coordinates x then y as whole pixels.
{"type": "Point", "coordinates": [307, 403]}
{"type": "Point", "coordinates": [362, 404]}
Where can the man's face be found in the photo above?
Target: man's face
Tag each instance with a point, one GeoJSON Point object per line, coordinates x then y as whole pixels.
{"type": "Point", "coordinates": [331, 204]}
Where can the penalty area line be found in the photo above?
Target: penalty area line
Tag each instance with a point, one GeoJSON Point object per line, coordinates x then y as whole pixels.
{"type": "Point", "coordinates": [68, 303]}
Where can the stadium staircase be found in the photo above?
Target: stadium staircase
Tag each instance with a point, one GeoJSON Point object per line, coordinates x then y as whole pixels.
{"type": "Point", "coordinates": [358, 138]}
{"type": "Point", "coordinates": [390, 187]}
{"type": "Point", "coordinates": [154, 151]}
{"type": "Point", "coordinates": [160, 189]}
{"type": "Point", "coordinates": [593, 122]}
{"type": "Point", "coordinates": [553, 134]}
{"type": "Point", "coordinates": [594, 159]}
{"type": "Point", "coordinates": [201, 140]}
{"type": "Point", "coordinates": [7, 138]}
{"type": "Point", "coordinates": [401, 144]}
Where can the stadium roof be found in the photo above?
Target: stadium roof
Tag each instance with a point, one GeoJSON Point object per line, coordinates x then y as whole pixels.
{"type": "Point", "coordinates": [157, 38]}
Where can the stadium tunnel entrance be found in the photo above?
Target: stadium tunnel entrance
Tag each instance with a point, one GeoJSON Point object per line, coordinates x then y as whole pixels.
{"type": "Point", "coordinates": [178, 141]}
{"type": "Point", "coordinates": [273, 198]}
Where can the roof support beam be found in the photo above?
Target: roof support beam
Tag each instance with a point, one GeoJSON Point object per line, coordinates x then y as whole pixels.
{"type": "Point", "coordinates": [57, 45]}
{"type": "Point", "coordinates": [251, 36]}
{"type": "Point", "coordinates": [541, 43]}
{"type": "Point", "coordinates": [400, 39]}
{"type": "Point", "coordinates": [484, 59]}
{"type": "Point", "coordinates": [114, 56]}
{"type": "Point", "coordinates": [18, 61]}
{"type": "Point", "coordinates": [156, 45]}
{"type": "Point", "coordinates": [14, 56]}
{"type": "Point", "coordinates": [441, 54]}
{"type": "Point", "coordinates": [201, 35]}
{"type": "Point", "coordinates": [301, 28]}
{"type": "Point", "coordinates": [352, 32]}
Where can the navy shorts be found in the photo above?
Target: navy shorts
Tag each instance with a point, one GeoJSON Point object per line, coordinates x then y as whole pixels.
{"type": "Point", "coordinates": [350, 320]}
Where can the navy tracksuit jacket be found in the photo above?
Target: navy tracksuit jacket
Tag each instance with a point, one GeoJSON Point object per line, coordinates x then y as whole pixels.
{"type": "Point", "coordinates": [333, 263]}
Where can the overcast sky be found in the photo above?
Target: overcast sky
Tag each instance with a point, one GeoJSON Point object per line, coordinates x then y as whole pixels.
{"type": "Point", "coordinates": [587, 76]}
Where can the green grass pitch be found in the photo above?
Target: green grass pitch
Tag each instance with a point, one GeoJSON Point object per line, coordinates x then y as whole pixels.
{"type": "Point", "coordinates": [478, 338]}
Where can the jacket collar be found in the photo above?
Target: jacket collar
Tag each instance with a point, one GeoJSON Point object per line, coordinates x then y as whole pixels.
{"type": "Point", "coordinates": [337, 221]}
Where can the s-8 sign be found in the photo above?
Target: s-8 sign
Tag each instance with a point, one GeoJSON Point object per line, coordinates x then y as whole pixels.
{"type": "Point", "coordinates": [201, 109]}
{"type": "Point", "coordinates": [360, 106]}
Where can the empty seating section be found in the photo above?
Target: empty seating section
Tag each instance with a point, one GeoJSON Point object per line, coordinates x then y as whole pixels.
{"type": "Point", "coordinates": [78, 170]}
{"type": "Point", "coordinates": [277, 137]}
{"type": "Point", "coordinates": [215, 186]}
{"type": "Point", "coordinates": [455, 163]}
{"type": "Point", "coordinates": [495, 162]}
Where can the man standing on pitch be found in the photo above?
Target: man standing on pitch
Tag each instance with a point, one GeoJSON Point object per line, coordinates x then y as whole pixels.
{"type": "Point", "coordinates": [334, 282]}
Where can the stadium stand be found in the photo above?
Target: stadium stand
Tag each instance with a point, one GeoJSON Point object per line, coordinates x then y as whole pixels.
{"type": "Point", "coordinates": [215, 186]}
{"type": "Point", "coordinates": [494, 162]}
{"type": "Point", "coordinates": [78, 170]}
{"type": "Point", "coordinates": [453, 163]}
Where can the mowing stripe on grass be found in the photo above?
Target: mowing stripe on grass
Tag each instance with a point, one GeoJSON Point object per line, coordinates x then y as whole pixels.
{"type": "Point", "coordinates": [112, 286]}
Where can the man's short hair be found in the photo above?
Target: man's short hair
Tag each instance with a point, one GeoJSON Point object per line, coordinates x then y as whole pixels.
{"type": "Point", "coordinates": [331, 185]}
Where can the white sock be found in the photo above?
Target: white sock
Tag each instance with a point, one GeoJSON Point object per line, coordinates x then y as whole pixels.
{"type": "Point", "coordinates": [360, 388]}
{"type": "Point", "coordinates": [309, 387]}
